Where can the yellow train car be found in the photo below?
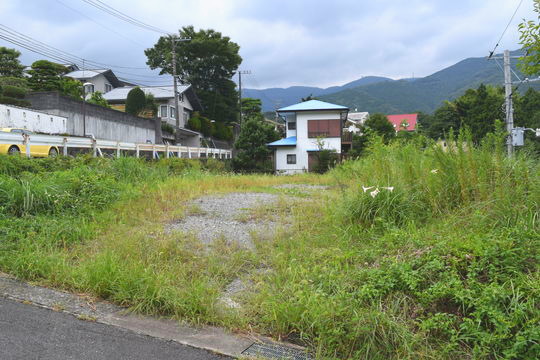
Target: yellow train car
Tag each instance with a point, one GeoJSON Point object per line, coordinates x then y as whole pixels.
{"type": "Point", "coordinates": [35, 150]}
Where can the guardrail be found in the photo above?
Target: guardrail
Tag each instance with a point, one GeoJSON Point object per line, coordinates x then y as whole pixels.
{"type": "Point", "coordinates": [97, 146]}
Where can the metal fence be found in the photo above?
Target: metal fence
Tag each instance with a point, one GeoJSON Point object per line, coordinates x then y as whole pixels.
{"type": "Point", "coordinates": [115, 148]}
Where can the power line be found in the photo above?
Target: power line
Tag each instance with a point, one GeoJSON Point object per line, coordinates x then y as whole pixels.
{"type": "Point", "coordinates": [122, 16]}
{"type": "Point", "coordinates": [98, 23]}
{"type": "Point", "coordinates": [505, 29]}
{"type": "Point", "coordinates": [49, 51]}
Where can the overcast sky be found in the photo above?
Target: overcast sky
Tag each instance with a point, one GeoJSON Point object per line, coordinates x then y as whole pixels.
{"type": "Point", "coordinates": [283, 42]}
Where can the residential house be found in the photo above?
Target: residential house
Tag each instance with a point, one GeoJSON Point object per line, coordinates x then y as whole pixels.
{"type": "Point", "coordinates": [188, 102]}
{"type": "Point", "coordinates": [103, 80]}
{"type": "Point", "coordinates": [310, 126]}
{"type": "Point", "coordinates": [403, 122]}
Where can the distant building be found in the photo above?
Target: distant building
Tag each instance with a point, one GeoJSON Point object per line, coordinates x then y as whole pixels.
{"type": "Point", "coordinates": [308, 125]}
{"type": "Point", "coordinates": [188, 102]}
{"type": "Point", "coordinates": [104, 80]}
{"type": "Point", "coordinates": [403, 122]}
{"type": "Point", "coordinates": [354, 121]}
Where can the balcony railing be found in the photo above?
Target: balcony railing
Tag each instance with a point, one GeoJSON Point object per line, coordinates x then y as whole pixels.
{"type": "Point", "coordinates": [346, 137]}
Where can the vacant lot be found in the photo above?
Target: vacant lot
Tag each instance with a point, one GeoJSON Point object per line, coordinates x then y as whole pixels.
{"type": "Point", "coordinates": [410, 252]}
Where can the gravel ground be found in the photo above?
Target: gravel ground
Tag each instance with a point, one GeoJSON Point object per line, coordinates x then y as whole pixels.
{"type": "Point", "coordinates": [302, 187]}
{"type": "Point", "coordinates": [217, 216]}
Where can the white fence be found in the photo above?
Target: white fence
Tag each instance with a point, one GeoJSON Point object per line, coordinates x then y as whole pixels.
{"type": "Point", "coordinates": [98, 146]}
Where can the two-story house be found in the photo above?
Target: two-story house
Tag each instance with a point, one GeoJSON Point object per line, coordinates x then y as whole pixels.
{"type": "Point", "coordinates": [310, 126]}
{"type": "Point", "coordinates": [103, 80]}
{"type": "Point", "coordinates": [188, 102]}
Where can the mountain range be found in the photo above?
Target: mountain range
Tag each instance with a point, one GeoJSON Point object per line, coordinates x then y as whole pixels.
{"type": "Point", "coordinates": [382, 94]}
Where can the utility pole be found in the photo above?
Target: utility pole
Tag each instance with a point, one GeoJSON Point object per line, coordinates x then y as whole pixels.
{"type": "Point", "coordinates": [174, 40]}
{"type": "Point", "coordinates": [240, 72]}
{"type": "Point", "coordinates": [508, 101]}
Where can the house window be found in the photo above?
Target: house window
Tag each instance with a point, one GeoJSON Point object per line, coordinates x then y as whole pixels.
{"type": "Point", "coordinates": [324, 128]}
{"type": "Point", "coordinates": [163, 111]}
{"type": "Point", "coordinates": [108, 87]}
{"type": "Point", "coordinates": [186, 117]}
{"type": "Point", "coordinates": [291, 159]}
{"type": "Point", "coordinates": [291, 125]}
{"type": "Point", "coordinates": [181, 97]}
{"type": "Point", "coordinates": [173, 113]}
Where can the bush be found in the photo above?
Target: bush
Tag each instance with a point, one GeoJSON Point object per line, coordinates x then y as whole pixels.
{"type": "Point", "coordinates": [135, 101]}
{"type": "Point", "coordinates": [166, 127]}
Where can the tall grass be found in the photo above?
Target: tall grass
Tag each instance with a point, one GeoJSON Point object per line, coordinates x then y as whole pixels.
{"type": "Point", "coordinates": [443, 263]}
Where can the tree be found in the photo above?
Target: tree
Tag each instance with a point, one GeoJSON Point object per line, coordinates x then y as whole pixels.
{"type": "Point", "coordinates": [380, 125]}
{"type": "Point", "coordinates": [135, 101]}
{"type": "Point", "coordinates": [13, 91]}
{"type": "Point", "coordinates": [253, 154]}
{"type": "Point", "coordinates": [479, 109]}
{"type": "Point", "coordinates": [251, 108]}
{"type": "Point", "coordinates": [439, 124]}
{"type": "Point", "coordinates": [97, 99]}
{"type": "Point", "coordinates": [71, 87]}
{"type": "Point", "coordinates": [194, 122]}
{"type": "Point", "coordinates": [9, 63]}
{"type": "Point", "coordinates": [46, 76]}
{"type": "Point", "coordinates": [530, 40]}
{"type": "Point", "coordinates": [208, 62]}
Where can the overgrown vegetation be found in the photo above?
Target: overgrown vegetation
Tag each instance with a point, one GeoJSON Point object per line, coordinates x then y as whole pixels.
{"type": "Point", "coordinates": [415, 253]}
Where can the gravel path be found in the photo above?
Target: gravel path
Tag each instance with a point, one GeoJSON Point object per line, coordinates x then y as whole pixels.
{"type": "Point", "coordinates": [214, 217]}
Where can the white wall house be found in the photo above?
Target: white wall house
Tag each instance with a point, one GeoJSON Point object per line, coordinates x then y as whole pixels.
{"type": "Point", "coordinates": [188, 102]}
{"type": "Point", "coordinates": [36, 121]}
{"type": "Point", "coordinates": [104, 80]}
{"type": "Point", "coordinates": [309, 124]}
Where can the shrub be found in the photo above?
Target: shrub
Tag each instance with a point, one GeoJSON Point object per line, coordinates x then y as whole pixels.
{"type": "Point", "coordinates": [135, 101]}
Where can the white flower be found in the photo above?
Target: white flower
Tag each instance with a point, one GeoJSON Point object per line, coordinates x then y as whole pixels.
{"type": "Point", "coordinates": [434, 171]}
{"type": "Point", "coordinates": [389, 188]}
{"type": "Point", "coordinates": [367, 188]}
{"type": "Point", "coordinates": [374, 192]}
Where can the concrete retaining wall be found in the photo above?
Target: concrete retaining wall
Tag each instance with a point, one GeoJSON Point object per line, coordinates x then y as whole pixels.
{"type": "Point", "coordinates": [101, 122]}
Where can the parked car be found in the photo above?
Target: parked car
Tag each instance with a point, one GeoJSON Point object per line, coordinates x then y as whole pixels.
{"type": "Point", "coordinates": [35, 150]}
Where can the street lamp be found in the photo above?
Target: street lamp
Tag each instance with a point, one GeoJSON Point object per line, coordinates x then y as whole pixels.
{"type": "Point", "coordinates": [88, 88]}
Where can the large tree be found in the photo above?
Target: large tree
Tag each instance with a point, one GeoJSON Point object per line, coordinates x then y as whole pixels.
{"type": "Point", "coordinates": [46, 76]}
{"type": "Point", "coordinates": [208, 62]}
{"type": "Point", "coordinates": [9, 63]}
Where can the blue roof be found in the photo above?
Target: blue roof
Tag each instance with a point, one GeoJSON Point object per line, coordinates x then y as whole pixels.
{"type": "Point", "coordinates": [290, 141]}
{"type": "Point", "coordinates": [312, 105]}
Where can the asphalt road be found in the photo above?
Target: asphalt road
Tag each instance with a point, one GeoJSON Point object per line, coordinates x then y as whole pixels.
{"type": "Point", "coordinates": [30, 332]}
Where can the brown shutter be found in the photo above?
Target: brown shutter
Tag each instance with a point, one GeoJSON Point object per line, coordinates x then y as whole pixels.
{"type": "Point", "coordinates": [334, 128]}
{"type": "Point", "coordinates": [313, 128]}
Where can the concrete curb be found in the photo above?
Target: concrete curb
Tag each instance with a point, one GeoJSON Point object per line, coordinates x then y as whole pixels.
{"type": "Point", "coordinates": [83, 307]}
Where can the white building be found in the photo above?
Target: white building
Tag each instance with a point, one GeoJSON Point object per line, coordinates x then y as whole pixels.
{"type": "Point", "coordinates": [188, 102]}
{"type": "Point", "coordinates": [310, 125]}
{"type": "Point", "coordinates": [104, 80]}
{"type": "Point", "coordinates": [36, 121]}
